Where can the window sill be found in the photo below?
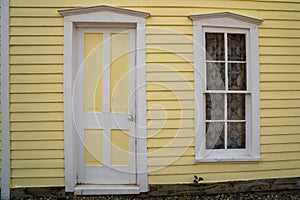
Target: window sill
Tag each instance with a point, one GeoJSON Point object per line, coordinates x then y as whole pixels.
{"type": "Point", "coordinates": [228, 159]}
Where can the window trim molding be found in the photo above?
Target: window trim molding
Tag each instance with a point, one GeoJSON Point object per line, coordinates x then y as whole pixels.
{"type": "Point", "coordinates": [226, 20]}
{"type": "Point", "coordinates": [92, 16]}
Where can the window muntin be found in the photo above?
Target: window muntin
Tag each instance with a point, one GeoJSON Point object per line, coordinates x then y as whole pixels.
{"type": "Point", "coordinates": [226, 96]}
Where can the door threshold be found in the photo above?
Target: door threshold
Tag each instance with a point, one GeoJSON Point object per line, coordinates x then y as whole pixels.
{"type": "Point", "coordinates": [106, 189]}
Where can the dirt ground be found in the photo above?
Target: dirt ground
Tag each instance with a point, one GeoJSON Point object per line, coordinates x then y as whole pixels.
{"type": "Point", "coordinates": [274, 195]}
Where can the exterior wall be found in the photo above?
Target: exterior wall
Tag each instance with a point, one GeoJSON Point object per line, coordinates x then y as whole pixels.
{"type": "Point", "coordinates": [36, 90]}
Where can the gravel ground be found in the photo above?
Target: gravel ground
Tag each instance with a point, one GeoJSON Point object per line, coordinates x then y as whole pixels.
{"type": "Point", "coordinates": [280, 195]}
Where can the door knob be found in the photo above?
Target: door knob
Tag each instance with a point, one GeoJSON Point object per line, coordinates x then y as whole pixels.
{"type": "Point", "coordinates": [130, 117]}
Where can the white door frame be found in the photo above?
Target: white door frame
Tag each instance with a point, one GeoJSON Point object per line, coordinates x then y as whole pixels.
{"type": "Point", "coordinates": [95, 16]}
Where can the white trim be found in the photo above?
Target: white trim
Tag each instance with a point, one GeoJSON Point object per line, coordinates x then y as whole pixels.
{"type": "Point", "coordinates": [5, 185]}
{"type": "Point", "coordinates": [101, 8]}
{"type": "Point", "coordinates": [222, 15]}
{"type": "Point", "coordinates": [227, 22]}
{"type": "Point", "coordinates": [104, 16]}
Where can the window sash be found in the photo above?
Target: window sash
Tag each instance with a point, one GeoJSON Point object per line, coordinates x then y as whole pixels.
{"type": "Point", "coordinates": [226, 90]}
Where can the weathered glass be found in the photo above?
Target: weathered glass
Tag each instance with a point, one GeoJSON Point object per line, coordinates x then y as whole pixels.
{"type": "Point", "coordinates": [214, 43]}
{"type": "Point", "coordinates": [236, 135]}
{"type": "Point", "coordinates": [215, 135]}
{"type": "Point", "coordinates": [235, 106]}
{"type": "Point", "coordinates": [237, 76]}
{"type": "Point", "coordinates": [236, 47]}
{"type": "Point", "coordinates": [214, 106]}
{"type": "Point", "coordinates": [215, 76]}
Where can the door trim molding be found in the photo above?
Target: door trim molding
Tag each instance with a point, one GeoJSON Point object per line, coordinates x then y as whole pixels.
{"type": "Point", "coordinates": [105, 14]}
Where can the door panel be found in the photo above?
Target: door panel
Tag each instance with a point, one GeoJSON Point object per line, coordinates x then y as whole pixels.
{"type": "Point", "coordinates": [93, 53]}
{"type": "Point", "coordinates": [105, 106]}
{"type": "Point", "coordinates": [119, 72]}
{"type": "Point", "coordinates": [93, 154]}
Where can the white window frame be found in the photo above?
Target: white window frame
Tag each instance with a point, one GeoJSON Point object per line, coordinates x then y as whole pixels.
{"type": "Point", "coordinates": [104, 16]}
{"type": "Point", "coordinates": [231, 23]}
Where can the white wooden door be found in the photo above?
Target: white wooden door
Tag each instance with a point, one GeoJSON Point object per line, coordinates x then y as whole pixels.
{"type": "Point", "coordinates": [105, 105]}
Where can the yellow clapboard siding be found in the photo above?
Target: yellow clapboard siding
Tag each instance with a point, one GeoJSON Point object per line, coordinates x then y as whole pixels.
{"type": "Point", "coordinates": [280, 156]}
{"type": "Point", "coordinates": [269, 86]}
{"type": "Point", "coordinates": [34, 117]}
{"type": "Point", "coordinates": [175, 95]}
{"type": "Point", "coordinates": [280, 121]}
{"type": "Point", "coordinates": [183, 160]}
{"type": "Point", "coordinates": [170, 142]}
{"type": "Point", "coordinates": [40, 78]}
{"type": "Point", "coordinates": [36, 40]}
{"type": "Point", "coordinates": [39, 31]}
{"type": "Point", "coordinates": [164, 29]}
{"type": "Point", "coordinates": [34, 154]}
{"type": "Point", "coordinates": [172, 123]}
{"type": "Point", "coordinates": [169, 86]}
{"type": "Point", "coordinates": [33, 173]}
{"type": "Point", "coordinates": [36, 69]}
{"type": "Point", "coordinates": [278, 139]}
{"type": "Point", "coordinates": [170, 114]}
{"type": "Point", "coordinates": [284, 24]}
{"type": "Point", "coordinates": [286, 103]}
{"type": "Point", "coordinates": [36, 107]}
{"type": "Point", "coordinates": [36, 21]}
{"type": "Point", "coordinates": [293, 77]}
{"type": "Point", "coordinates": [279, 42]}
{"type": "Point", "coordinates": [279, 15]}
{"type": "Point", "coordinates": [170, 67]}
{"type": "Point", "coordinates": [169, 57]}
{"type": "Point", "coordinates": [177, 48]}
{"type": "Point", "coordinates": [272, 148]}
{"type": "Point", "coordinates": [279, 130]}
{"type": "Point", "coordinates": [36, 88]}
{"type": "Point", "coordinates": [279, 50]}
{"type": "Point", "coordinates": [219, 177]}
{"type": "Point", "coordinates": [170, 76]}
{"type": "Point", "coordinates": [38, 135]}
{"type": "Point", "coordinates": [169, 21]}
{"type": "Point", "coordinates": [37, 126]}
{"type": "Point", "coordinates": [47, 97]}
{"type": "Point", "coordinates": [34, 12]}
{"type": "Point", "coordinates": [40, 164]}
{"type": "Point", "coordinates": [37, 182]}
{"type": "Point", "coordinates": [171, 133]}
{"type": "Point", "coordinates": [280, 59]}
{"type": "Point", "coordinates": [276, 95]}
{"type": "Point", "coordinates": [36, 59]}
{"type": "Point", "coordinates": [165, 104]}
{"type": "Point", "coordinates": [167, 39]}
{"type": "Point", "coordinates": [156, 3]}
{"type": "Point", "coordinates": [32, 145]}
{"type": "Point", "coordinates": [281, 68]}
{"type": "Point", "coordinates": [171, 152]}
{"type": "Point", "coordinates": [220, 167]}
{"type": "Point", "coordinates": [36, 50]}
{"type": "Point", "coordinates": [289, 112]}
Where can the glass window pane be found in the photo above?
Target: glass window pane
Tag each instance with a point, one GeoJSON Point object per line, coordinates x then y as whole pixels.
{"type": "Point", "coordinates": [214, 106]}
{"type": "Point", "coordinates": [214, 43]}
{"type": "Point", "coordinates": [236, 106]}
{"type": "Point", "coordinates": [237, 76]}
{"type": "Point", "coordinates": [215, 76]}
{"type": "Point", "coordinates": [236, 47]}
{"type": "Point", "coordinates": [215, 135]}
{"type": "Point", "coordinates": [236, 135]}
